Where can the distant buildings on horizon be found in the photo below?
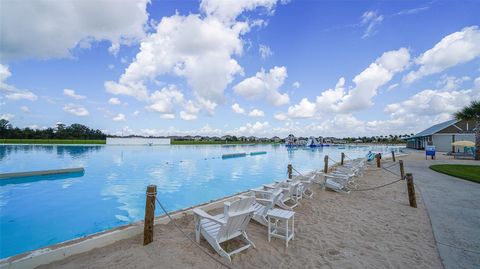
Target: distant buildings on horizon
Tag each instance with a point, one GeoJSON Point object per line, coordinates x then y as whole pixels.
{"type": "Point", "coordinates": [276, 139]}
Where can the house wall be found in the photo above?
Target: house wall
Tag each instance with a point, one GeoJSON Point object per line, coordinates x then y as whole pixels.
{"type": "Point", "coordinates": [443, 141]}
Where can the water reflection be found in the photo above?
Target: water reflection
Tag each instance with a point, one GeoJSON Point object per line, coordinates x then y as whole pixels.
{"type": "Point", "coordinates": [61, 150]}
{"type": "Point", "coordinates": [77, 151]}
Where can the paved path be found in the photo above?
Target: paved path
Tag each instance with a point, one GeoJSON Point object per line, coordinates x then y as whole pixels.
{"type": "Point", "coordinates": [454, 208]}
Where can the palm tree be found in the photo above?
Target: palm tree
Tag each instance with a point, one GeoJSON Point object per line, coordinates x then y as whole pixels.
{"type": "Point", "coordinates": [472, 113]}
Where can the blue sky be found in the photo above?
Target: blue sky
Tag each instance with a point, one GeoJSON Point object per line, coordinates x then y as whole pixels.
{"type": "Point", "coordinates": [251, 67]}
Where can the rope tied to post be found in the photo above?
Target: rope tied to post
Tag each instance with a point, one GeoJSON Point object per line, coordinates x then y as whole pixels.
{"type": "Point", "coordinates": [384, 168]}
{"type": "Point", "coordinates": [191, 240]}
{"type": "Point", "coordinates": [297, 171]}
{"type": "Point", "coordinates": [332, 160]}
{"type": "Point", "coordinates": [150, 194]}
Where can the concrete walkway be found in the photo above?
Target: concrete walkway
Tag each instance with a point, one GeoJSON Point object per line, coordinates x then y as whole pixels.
{"type": "Point", "coordinates": [454, 208]}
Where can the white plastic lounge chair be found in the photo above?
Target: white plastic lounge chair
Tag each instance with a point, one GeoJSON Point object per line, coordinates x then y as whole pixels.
{"type": "Point", "coordinates": [265, 204]}
{"type": "Point", "coordinates": [306, 185]}
{"type": "Point", "coordinates": [338, 182]}
{"type": "Point", "coordinates": [290, 191]}
{"type": "Point", "coordinates": [229, 225]}
{"type": "Point", "coordinates": [333, 183]}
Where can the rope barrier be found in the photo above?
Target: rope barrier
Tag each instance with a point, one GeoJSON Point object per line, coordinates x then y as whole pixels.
{"type": "Point", "coordinates": [297, 171]}
{"type": "Point", "coordinates": [381, 186]}
{"type": "Point", "coordinates": [332, 159]}
{"type": "Point", "coordinates": [193, 241]}
{"type": "Point", "coordinates": [377, 187]}
{"type": "Point", "coordinates": [390, 171]}
{"type": "Point", "coordinates": [391, 165]}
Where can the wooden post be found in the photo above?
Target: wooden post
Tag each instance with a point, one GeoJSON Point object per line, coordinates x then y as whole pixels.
{"type": "Point", "coordinates": [393, 156]}
{"type": "Point", "coordinates": [402, 170]}
{"type": "Point", "coordinates": [378, 160]}
{"type": "Point", "coordinates": [149, 214]}
{"type": "Point", "coordinates": [411, 191]}
{"type": "Point", "coordinates": [325, 168]}
{"type": "Point", "coordinates": [342, 158]}
{"type": "Point", "coordinates": [289, 170]}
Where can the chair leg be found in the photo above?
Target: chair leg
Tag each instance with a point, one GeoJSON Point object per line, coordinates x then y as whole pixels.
{"type": "Point", "coordinates": [221, 251]}
{"type": "Point", "coordinates": [197, 230]}
{"type": "Point", "coordinates": [247, 240]}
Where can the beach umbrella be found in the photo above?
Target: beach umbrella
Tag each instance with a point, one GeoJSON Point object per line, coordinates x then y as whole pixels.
{"type": "Point", "coordinates": [463, 143]}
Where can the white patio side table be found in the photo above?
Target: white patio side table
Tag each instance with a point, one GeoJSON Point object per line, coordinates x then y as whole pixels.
{"type": "Point", "coordinates": [275, 228]}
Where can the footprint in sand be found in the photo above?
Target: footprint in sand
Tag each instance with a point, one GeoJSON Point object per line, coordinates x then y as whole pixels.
{"type": "Point", "coordinates": [333, 252]}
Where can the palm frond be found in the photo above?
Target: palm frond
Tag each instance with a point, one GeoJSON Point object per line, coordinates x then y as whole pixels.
{"type": "Point", "coordinates": [470, 112]}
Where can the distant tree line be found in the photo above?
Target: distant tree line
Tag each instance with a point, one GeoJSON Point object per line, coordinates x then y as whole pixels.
{"type": "Point", "coordinates": [379, 139]}
{"type": "Point", "coordinates": [74, 131]}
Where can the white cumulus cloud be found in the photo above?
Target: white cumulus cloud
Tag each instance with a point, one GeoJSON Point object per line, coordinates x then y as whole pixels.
{"type": "Point", "coordinates": [372, 78]}
{"type": "Point", "coordinates": [197, 47]}
{"type": "Point", "coordinates": [304, 109]}
{"type": "Point", "coordinates": [187, 116]}
{"type": "Point", "coordinates": [165, 100]}
{"type": "Point", "coordinates": [265, 85]}
{"type": "Point", "coordinates": [280, 116]}
{"type": "Point", "coordinates": [199, 50]}
{"type": "Point", "coordinates": [76, 110]}
{"type": "Point", "coordinates": [72, 94]}
{"type": "Point", "coordinates": [119, 117]}
{"type": "Point", "coordinates": [238, 109]}
{"type": "Point", "coordinates": [256, 113]}
{"type": "Point", "coordinates": [10, 91]}
{"type": "Point", "coordinates": [457, 48]}
{"type": "Point", "coordinates": [359, 97]}
{"type": "Point", "coordinates": [7, 116]}
{"type": "Point", "coordinates": [428, 106]}
{"type": "Point", "coordinates": [257, 128]}
{"type": "Point", "coordinates": [51, 29]}
{"type": "Point", "coordinates": [114, 101]}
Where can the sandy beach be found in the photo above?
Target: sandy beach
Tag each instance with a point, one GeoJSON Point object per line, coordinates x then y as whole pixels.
{"type": "Point", "coordinates": [364, 229]}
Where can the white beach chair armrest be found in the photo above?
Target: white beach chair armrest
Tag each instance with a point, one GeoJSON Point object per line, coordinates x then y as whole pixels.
{"type": "Point", "coordinates": [269, 186]}
{"type": "Point", "coordinates": [264, 202]}
{"type": "Point", "coordinates": [261, 192]}
{"type": "Point", "coordinates": [202, 214]}
{"type": "Point", "coordinates": [336, 176]}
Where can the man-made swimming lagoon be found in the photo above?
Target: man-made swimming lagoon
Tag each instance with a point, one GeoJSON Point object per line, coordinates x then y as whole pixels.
{"type": "Point", "coordinates": [39, 211]}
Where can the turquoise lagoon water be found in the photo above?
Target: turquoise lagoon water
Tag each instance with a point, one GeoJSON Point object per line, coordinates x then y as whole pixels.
{"type": "Point", "coordinates": [39, 211]}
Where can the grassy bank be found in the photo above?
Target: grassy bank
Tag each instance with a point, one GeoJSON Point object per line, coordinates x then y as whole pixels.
{"type": "Point", "coordinates": [50, 141]}
{"type": "Point", "coordinates": [468, 172]}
